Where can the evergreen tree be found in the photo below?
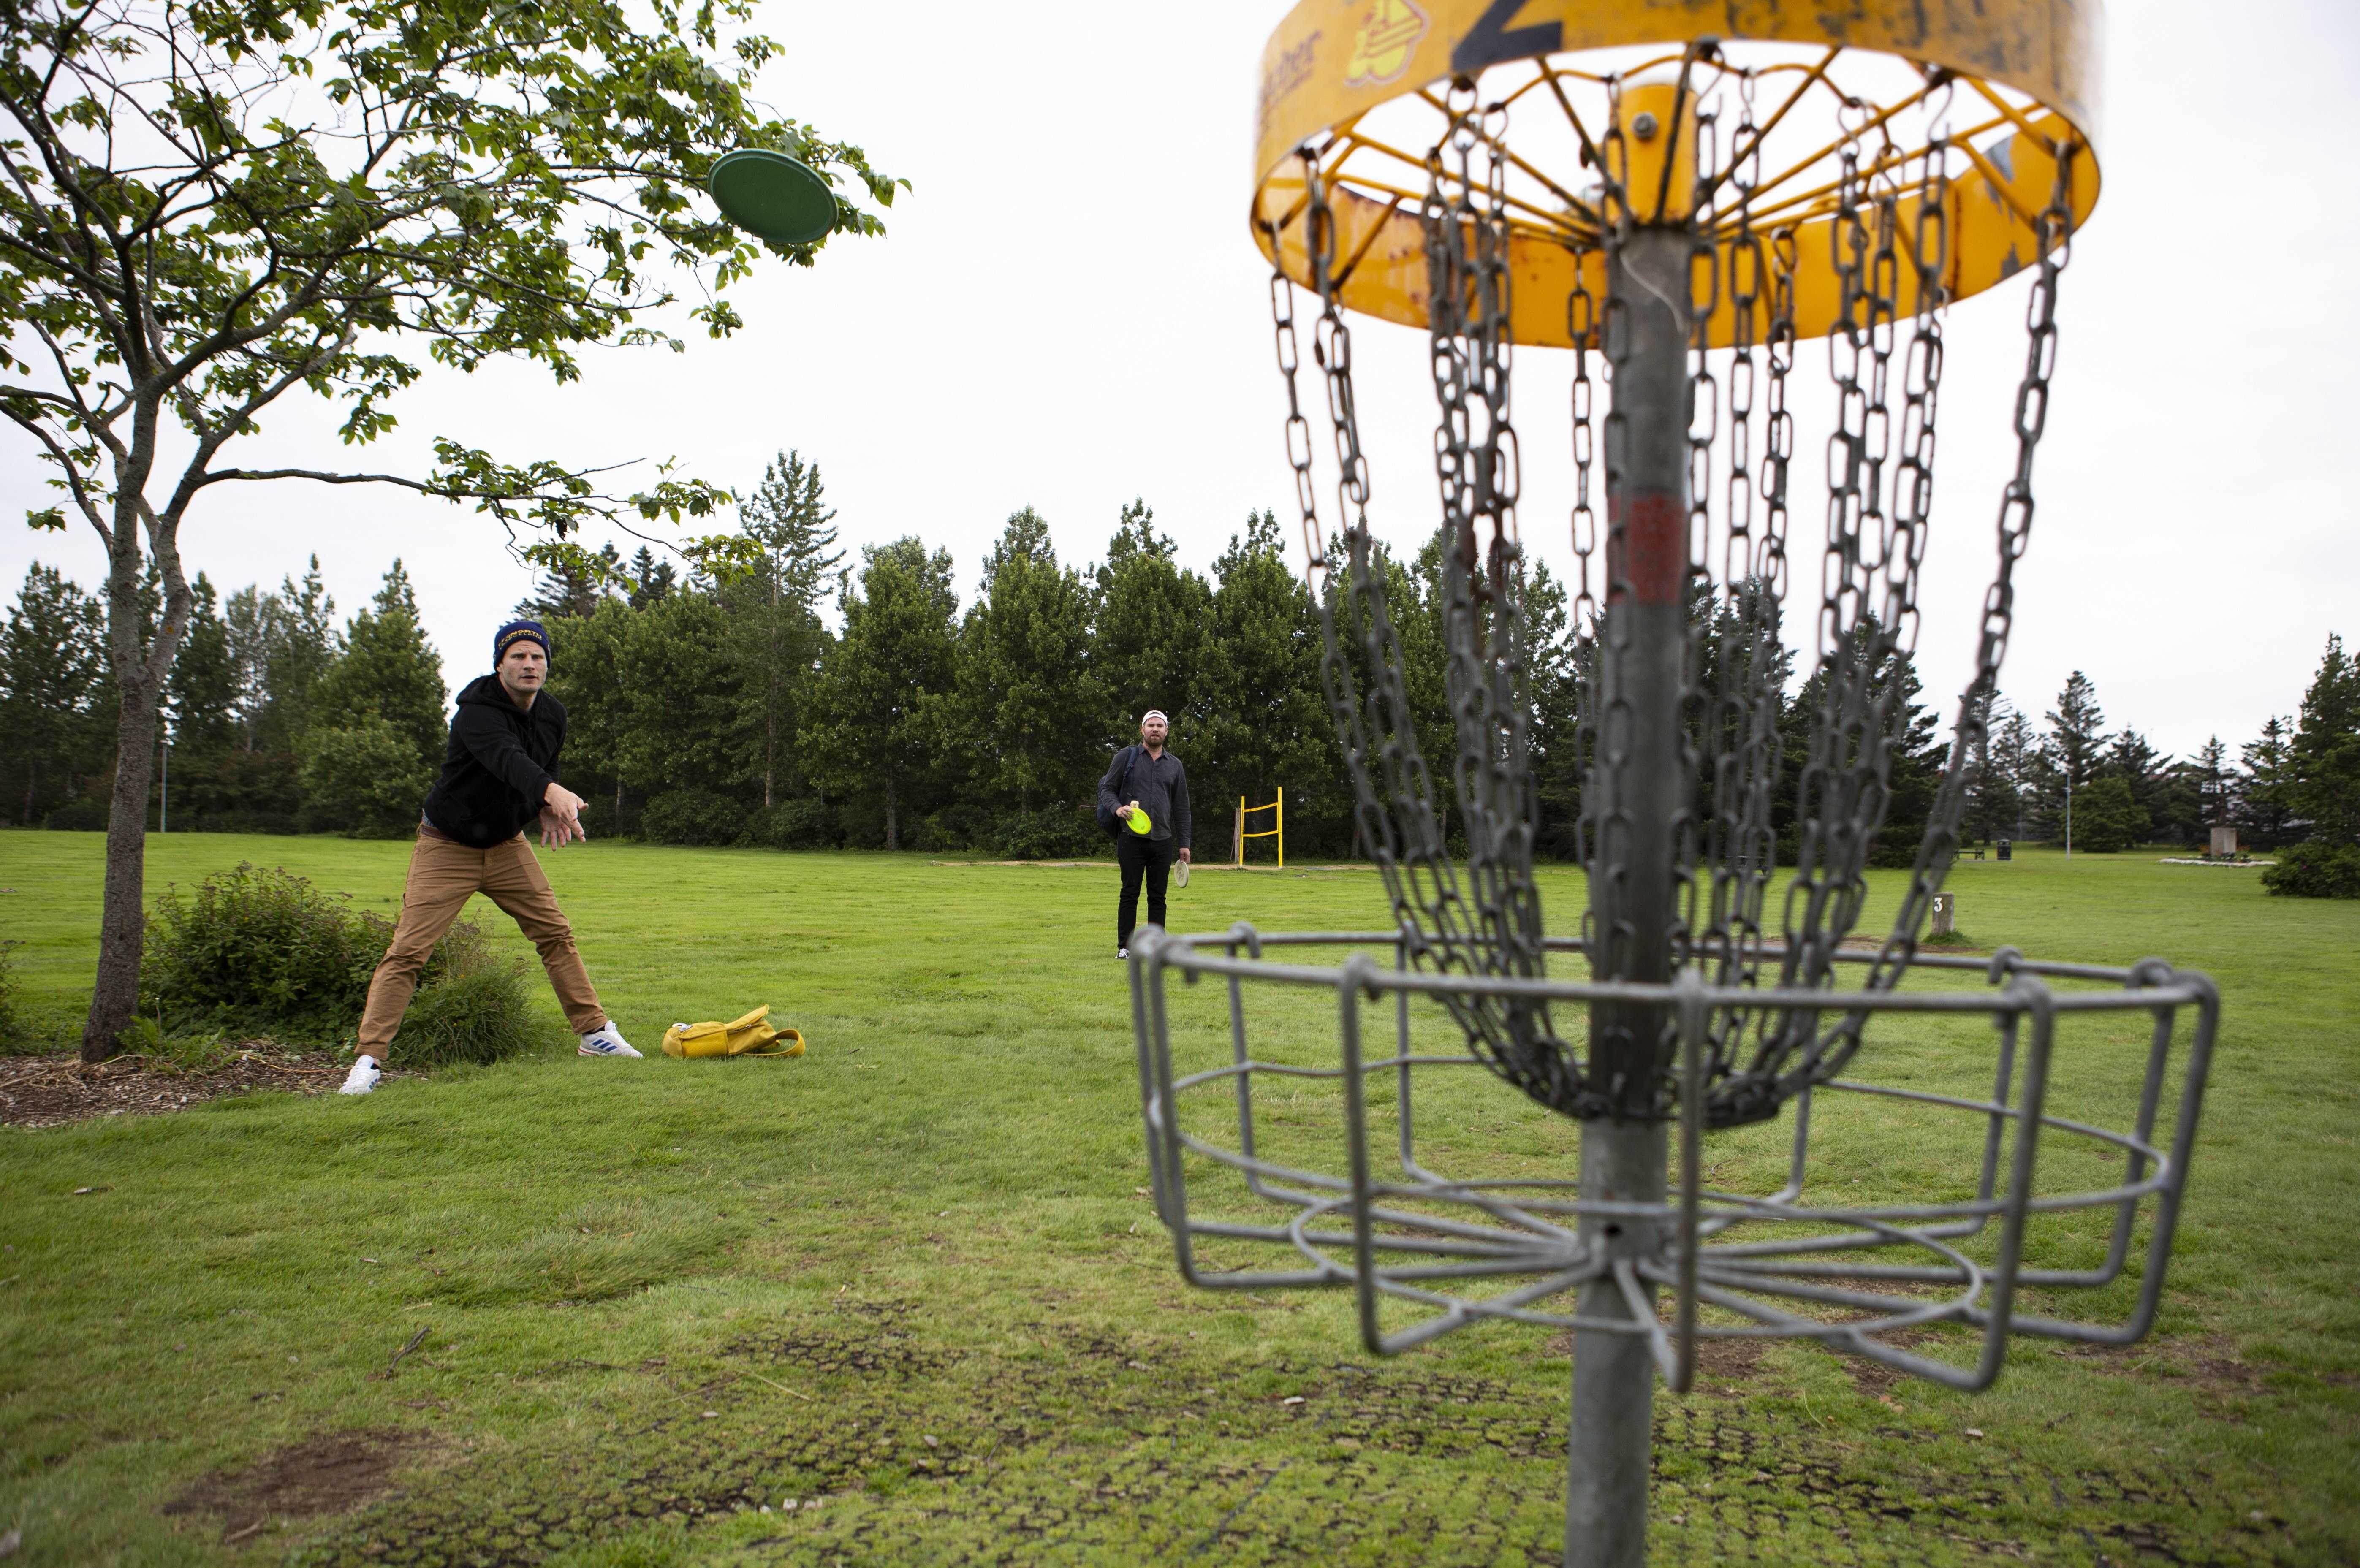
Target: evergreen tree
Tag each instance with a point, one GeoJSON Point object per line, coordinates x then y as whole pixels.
{"type": "Point", "coordinates": [2266, 791]}
{"type": "Point", "coordinates": [573, 582]}
{"type": "Point", "coordinates": [1153, 622]}
{"type": "Point", "coordinates": [652, 579]}
{"type": "Point", "coordinates": [2145, 772]}
{"type": "Point", "coordinates": [299, 643]}
{"type": "Point", "coordinates": [2325, 758]}
{"type": "Point", "coordinates": [2068, 754]}
{"type": "Point", "coordinates": [201, 693]}
{"type": "Point", "coordinates": [789, 523]}
{"type": "Point", "coordinates": [1031, 704]}
{"type": "Point", "coordinates": [1266, 723]}
{"type": "Point", "coordinates": [684, 710]}
{"type": "Point", "coordinates": [1994, 797]}
{"type": "Point", "coordinates": [875, 705]}
{"type": "Point", "coordinates": [2214, 786]}
{"type": "Point", "coordinates": [52, 678]}
{"type": "Point", "coordinates": [586, 664]}
{"type": "Point", "coordinates": [2014, 757]}
{"type": "Point", "coordinates": [2107, 817]}
{"type": "Point", "coordinates": [381, 698]}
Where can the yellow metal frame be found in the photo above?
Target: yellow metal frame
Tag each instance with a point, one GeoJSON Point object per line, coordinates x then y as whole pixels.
{"type": "Point", "coordinates": [1277, 831]}
{"type": "Point", "coordinates": [1332, 61]}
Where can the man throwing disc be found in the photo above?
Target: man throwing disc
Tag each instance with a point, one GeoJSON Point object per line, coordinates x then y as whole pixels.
{"type": "Point", "coordinates": [1145, 796]}
{"type": "Point", "coordinates": [499, 778]}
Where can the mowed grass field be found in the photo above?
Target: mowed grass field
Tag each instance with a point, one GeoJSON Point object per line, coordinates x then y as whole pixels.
{"type": "Point", "coordinates": [913, 1276]}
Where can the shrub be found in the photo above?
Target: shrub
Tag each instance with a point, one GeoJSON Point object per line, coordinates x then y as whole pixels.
{"type": "Point", "coordinates": [805, 824]}
{"type": "Point", "coordinates": [696, 817]}
{"type": "Point", "coordinates": [14, 1036]}
{"type": "Point", "coordinates": [263, 948]}
{"type": "Point", "coordinates": [77, 816]}
{"type": "Point", "coordinates": [474, 1009]}
{"type": "Point", "coordinates": [2315, 871]}
{"type": "Point", "coordinates": [1055, 832]}
{"type": "Point", "coordinates": [365, 779]}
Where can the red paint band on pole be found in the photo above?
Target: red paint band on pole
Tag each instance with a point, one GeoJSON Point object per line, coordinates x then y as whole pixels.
{"type": "Point", "coordinates": [1647, 547]}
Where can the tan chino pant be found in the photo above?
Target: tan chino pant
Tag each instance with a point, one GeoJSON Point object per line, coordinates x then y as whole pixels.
{"type": "Point", "coordinates": [443, 874]}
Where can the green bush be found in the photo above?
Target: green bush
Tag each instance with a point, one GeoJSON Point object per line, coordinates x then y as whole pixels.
{"type": "Point", "coordinates": [2315, 871]}
{"type": "Point", "coordinates": [475, 1008]}
{"type": "Point", "coordinates": [14, 1036]}
{"type": "Point", "coordinates": [1055, 832]}
{"type": "Point", "coordinates": [365, 779]}
{"type": "Point", "coordinates": [805, 824]}
{"type": "Point", "coordinates": [77, 816]}
{"type": "Point", "coordinates": [260, 948]}
{"type": "Point", "coordinates": [697, 818]}
{"type": "Point", "coordinates": [265, 951]}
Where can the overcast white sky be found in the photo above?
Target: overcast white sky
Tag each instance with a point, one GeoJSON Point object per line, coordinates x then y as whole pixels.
{"type": "Point", "coordinates": [1068, 312]}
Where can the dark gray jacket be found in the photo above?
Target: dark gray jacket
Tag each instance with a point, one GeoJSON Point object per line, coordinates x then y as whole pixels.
{"type": "Point", "coordinates": [1159, 784]}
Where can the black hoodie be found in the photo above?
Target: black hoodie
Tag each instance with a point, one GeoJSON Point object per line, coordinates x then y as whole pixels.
{"type": "Point", "coordinates": [501, 758]}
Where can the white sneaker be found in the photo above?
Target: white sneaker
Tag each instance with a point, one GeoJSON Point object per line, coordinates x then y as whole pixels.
{"type": "Point", "coordinates": [361, 1078]}
{"type": "Point", "coordinates": [606, 1040]}
{"type": "Point", "coordinates": [1122, 953]}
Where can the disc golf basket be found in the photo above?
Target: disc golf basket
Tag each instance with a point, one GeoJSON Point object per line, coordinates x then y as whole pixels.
{"type": "Point", "coordinates": [1681, 213]}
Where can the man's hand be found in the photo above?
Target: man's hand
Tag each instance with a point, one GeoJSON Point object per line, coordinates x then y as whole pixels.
{"type": "Point", "coordinates": [556, 832]}
{"type": "Point", "coordinates": [1122, 813]}
{"type": "Point", "coordinates": [565, 803]}
{"type": "Point", "coordinates": [1184, 855]}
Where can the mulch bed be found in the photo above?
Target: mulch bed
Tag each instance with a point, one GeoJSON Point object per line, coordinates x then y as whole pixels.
{"type": "Point", "coordinates": [50, 1091]}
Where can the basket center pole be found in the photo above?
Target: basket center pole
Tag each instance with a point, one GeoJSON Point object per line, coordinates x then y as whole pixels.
{"type": "Point", "coordinates": [1642, 782]}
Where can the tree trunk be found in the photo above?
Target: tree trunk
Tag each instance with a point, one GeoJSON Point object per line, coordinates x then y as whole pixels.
{"type": "Point", "coordinates": [892, 823]}
{"type": "Point", "coordinates": [114, 997]}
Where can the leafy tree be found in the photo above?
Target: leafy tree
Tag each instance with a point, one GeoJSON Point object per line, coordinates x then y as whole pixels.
{"type": "Point", "coordinates": [2325, 756]}
{"type": "Point", "coordinates": [788, 524]}
{"type": "Point", "coordinates": [874, 707]}
{"type": "Point", "coordinates": [207, 206]}
{"type": "Point", "coordinates": [53, 672]}
{"type": "Point", "coordinates": [1028, 696]}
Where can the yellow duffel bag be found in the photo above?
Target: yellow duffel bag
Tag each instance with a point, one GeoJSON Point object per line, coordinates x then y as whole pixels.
{"type": "Point", "coordinates": [749, 1036]}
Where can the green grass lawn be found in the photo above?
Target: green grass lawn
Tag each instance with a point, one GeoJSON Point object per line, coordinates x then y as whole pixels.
{"type": "Point", "coordinates": [912, 1274]}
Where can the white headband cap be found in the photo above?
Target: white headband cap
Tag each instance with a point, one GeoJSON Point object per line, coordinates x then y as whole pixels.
{"type": "Point", "coordinates": [1154, 714]}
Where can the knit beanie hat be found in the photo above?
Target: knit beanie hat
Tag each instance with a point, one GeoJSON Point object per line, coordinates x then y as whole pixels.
{"type": "Point", "coordinates": [508, 636]}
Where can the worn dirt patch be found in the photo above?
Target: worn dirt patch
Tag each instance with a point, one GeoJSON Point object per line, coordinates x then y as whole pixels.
{"type": "Point", "coordinates": [51, 1091]}
{"type": "Point", "coordinates": [332, 1473]}
{"type": "Point", "coordinates": [2210, 1362]}
{"type": "Point", "coordinates": [1717, 1361]}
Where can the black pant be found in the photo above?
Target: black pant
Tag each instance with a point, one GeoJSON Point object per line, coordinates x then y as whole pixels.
{"type": "Point", "coordinates": [1147, 857]}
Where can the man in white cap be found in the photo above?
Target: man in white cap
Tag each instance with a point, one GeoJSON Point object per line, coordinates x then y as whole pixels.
{"type": "Point", "coordinates": [1145, 780]}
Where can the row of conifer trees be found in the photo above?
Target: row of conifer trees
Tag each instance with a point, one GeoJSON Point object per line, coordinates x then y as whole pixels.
{"type": "Point", "coordinates": [785, 694]}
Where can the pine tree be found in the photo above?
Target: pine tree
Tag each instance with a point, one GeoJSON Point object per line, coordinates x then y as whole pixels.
{"type": "Point", "coordinates": [201, 693]}
{"type": "Point", "coordinates": [875, 707]}
{"type": "Point", "coordinates": [379, 723]}
{"type": "Point", "coordinates": [2324, 756]}
{"type": "Point", "coordinates": [1994, 797]}
{"type": "Point", "coordinates": [1153, 621]}
{"type": "Point", "coordinates": [52, 678]}
{"type": "Point", "coordinates": [2266, 791]}
{"type": "Point", "coordinates": [573, 582]}
{"type": "Point", "coordinates": [789, 523]}
{"type": "Point", "coordinates": [652, 579]}
{"type": "Point", "coordinates": [2145, 772]}
{"type": "Point", "coordinates": [1027, 686]}
{"type": "Point", "coordinates": [1266, 723]}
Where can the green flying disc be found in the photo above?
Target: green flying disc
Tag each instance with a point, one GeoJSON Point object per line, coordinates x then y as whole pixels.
{"type": "Point", "coordinates": [1138, 823]}
{"type": "Point", "coordinates": [772, 196]}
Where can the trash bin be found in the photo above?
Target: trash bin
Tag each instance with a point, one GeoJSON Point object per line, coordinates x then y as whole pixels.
{"type": "Point", "coordinates": [2007, 849]}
